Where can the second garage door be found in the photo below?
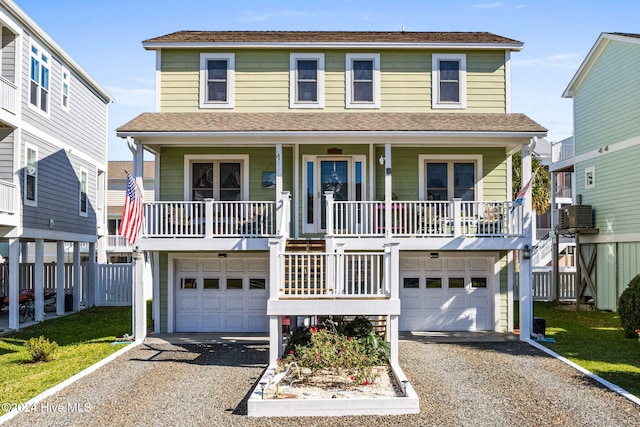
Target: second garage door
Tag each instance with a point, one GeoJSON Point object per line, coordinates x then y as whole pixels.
{"type": "Point", "coordinates": [446, 293]}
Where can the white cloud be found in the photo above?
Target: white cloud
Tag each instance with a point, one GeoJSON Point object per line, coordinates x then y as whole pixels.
{"type": "Point", "coordinates": [563, 60]}
{"type": "Point", "coordinates": [137, 97]}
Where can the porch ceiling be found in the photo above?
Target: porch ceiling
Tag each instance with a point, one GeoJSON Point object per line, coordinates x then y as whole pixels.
{"type": "Point", "coordinates": [159, 124]}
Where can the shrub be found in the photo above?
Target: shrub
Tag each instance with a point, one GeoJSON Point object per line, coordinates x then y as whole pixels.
{"type": "Point", "coordinates": [359, 327]}
{"type": "Point", "coordinates": [41, 349]}
{"type": "Point", "coordinates": [629, 308]}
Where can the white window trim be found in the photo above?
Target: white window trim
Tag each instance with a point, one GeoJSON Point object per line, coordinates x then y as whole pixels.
{"type": "Point", "coordinates": [350, 57]}
{"type": "Point", "coordinates": [230, 57]}
{"type": "Point", "coordinates": [83, 171]}
{"type": "Point", "coordinates": [293, 80]}
{"type": "Point", "coordinates": [590, 170]}
{"type": "Point", "coordinates": [435, 81]}
{"type": "Point", "coordinates": [28, 202]}
{"type": "Point", "coordinates": [243, 158]}
{"type": "Point", "coordinates": [423, 158]}
{"type": "Point", "coordinates": [62, 83]}
{"type": "Point", "coordinates": [41, 53]}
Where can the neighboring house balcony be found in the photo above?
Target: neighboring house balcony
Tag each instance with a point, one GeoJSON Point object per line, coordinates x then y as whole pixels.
{"type": "Point", "coordinates": [562, 155]}
{"type": "Point", "coordinates": [8, 216]}
{"type": "Point", "coordinates": [220, 225]}
{"type": "Point", "coordinates": [8, 71]}
{"type": "Point", "coordinates": [117, 243]}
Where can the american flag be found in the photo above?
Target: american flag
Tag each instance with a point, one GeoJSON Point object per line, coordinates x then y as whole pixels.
{"type": "Point", "coordinates": [131, 221]}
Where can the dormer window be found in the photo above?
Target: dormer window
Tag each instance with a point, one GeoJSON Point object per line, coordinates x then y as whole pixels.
{"type": "Point", "coordinates": [217, 80]}
{"type": "Point", "coordinates": [306, 80]}
{"type": "Point", "coordinates": [449, 85]}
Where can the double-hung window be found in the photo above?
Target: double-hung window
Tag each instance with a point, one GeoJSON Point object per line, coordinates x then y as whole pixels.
{"type": "Point", "coordinates": [64, 89]}
{"type": "Point", "coordinates": [84, 202]}
{"type": "Point", "coordinates": [31, 177]}
{"type": "Point", "coordinates": [39, 78]}
{"type": "Point", "coordinates": [306, 80]}
{"type": "Point", "coordinates": [217, 80]}
{"type": "Point", "coordinates": [449, 81]}
{"type": "Point", "coordinates": [362, 80]}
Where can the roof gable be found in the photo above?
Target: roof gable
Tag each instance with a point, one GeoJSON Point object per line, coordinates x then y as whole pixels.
{"type": "Point", "coordinates": [593, 56]}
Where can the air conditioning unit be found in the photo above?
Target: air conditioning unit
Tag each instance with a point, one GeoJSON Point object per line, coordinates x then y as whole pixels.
{"type": "Point", "coordinates": [575, 216]}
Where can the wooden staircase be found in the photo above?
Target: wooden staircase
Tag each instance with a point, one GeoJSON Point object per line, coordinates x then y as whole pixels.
{"type": "Point", "coordinates": [306, 245]}
{"type": "Point", "coordinates": [379, 323]}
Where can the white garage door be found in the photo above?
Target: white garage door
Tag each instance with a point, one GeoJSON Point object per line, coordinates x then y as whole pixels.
{"type": "Point", "coordinates": [221, 295]}
{"type": "Point", "coordinates": [446, 294]}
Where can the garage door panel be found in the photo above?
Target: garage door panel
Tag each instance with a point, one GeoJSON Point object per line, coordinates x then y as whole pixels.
{"type": "Point", "coordinates": [412, 300]}
{"type": "Point", "coordinates": [258, 323]}
{"type": "Point", "coordinates": [211, 303]}
{"type": "Point", "coordinates": [257, 302]}
{"type": "Point", "coordinates": [234, 323]}
{"type": "Point", "coordinates": [456, 301]}
{"type": "Point", "coordinates": [234, 302]}
{"type": "Point", "coordinates": [211, 321]}
{"type": "Point", "coordinates": [187, 302]}
{"type": "Point", "coordinates": [212, 265]}
{"type": "Point", "coordinates": [433, 302]}
{"type": "Point", "coordinates": [188, 322]}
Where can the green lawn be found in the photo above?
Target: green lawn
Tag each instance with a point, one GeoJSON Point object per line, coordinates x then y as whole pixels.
{"type": "Point", "coordinates": [594, 340]}
{"type": "Point", "coordinates": [83, 339]}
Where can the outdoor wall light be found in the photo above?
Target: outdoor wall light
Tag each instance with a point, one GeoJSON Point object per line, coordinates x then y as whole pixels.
{"type": "Point", "coordinates": [222, 255]}
{"type": "Point", "coordinates": [526, 252]}
{"type": "Point", "coordinates": [433, 255]}
{"type": "Point", "coordinates": [262, 385]}
{"type": "Point", "coordinates": [381, 160]}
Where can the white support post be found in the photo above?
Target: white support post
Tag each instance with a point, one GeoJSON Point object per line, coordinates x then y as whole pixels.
{"type": "Point", "coordinates": [60, 277]}
{"type": "Point", "coordinates": [14, 274]}
{"type": "Point", "coordinates": [139, 317]}
{"type": "Point", "coordinates": [393, 339]}
{"type": "Point", "coordinates": [275, 279]}
{"type": "Point", "coordinates": [208, 218]}
{"type": "Point", "coordinates": [90, 287]}
{"type": "Point", "coordinates": [388, 190]}
{"type": "Point", "coordinates": [156, 292]}
{"type": "Point", "coordinates": [283, 218]}
{"type": "Point", "coordinates": [275, 338]}
{"type": "Point", "coordinates": [394, 284]}
{"type": "Point", "coordinates": [457, 217]}
{"type": "Point", "coordinates": [38, 281]}
{"type": "Point", "coordinates": [339, 270]}
{"type": "Point", "coordinates": [76, 276]}
{"type": "Point", "coordinates": [526, 302]}
{"type": "Point", "coordinates": [328, 195]}
{"type": "Point", "coordinates": [279, 184]}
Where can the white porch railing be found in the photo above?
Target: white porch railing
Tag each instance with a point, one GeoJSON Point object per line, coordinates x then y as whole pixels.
{"type": "Point", "coordinates": [117, 244]}
{"type": "Point", "coordinates": [8, 95]}
{"type": "Point", "coordinates": [7, 190]}
{"type": "Point", "coordinates": [562, 150]}
{"type": "Point", "coordinates": [348, 275]}
{"type": "Point", "coordinates": [209, 218]}
{"type": "Point", "coordinates": [425, 218]}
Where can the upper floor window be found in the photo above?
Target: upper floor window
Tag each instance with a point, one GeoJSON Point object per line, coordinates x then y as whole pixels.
{"type": "Point", "coordinates": [306, 80]}
{"type": "Point", "coordinates": [217, 80]}
{"type": "Point", "coordinates": [39, 79]}
{"type": "Point", "coordinates": [64, 89]}
{"type": "Point", "coordinates": [363, 81]}
{"type": "Point", "coordinates": [84, 182]}
{"type": "Point", "coordinates": [449, 81]}
{"type": "Point", "coordinates": [31, 177]}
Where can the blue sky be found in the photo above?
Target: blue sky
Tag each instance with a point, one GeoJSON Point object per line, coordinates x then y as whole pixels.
{"type": "Point", "coordinates": [104, 37]}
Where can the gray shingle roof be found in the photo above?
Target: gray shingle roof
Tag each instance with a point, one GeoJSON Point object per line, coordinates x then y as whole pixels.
{"type": "Point", "coordinates": [329, 122]}
{"type": "Point", "coordinates": [331, 37]}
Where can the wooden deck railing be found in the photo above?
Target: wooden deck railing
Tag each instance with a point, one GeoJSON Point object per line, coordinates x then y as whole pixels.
{"type": "Point", "coordinates": [335, 275]}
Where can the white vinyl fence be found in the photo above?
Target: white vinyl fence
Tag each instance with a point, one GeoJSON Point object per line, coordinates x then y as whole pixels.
{"type": "Point", "coordinates": [113, 284]}
{"type": "Point", "coordinates": [543, 289]}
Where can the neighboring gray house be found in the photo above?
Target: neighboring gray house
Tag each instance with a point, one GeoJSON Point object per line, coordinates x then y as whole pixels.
{"type": "Point", "coordinates": [606, 110]}
{"type": "Point", "coordinates": [53, 154]}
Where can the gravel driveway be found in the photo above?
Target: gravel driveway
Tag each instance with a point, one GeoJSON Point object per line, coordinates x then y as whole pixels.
{"type": "Point", "coordinates": [459, 384]}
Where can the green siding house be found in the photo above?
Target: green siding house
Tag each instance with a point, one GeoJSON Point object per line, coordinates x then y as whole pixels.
{"type": "Point", "coordinates": [307, 174]}
{"type": "Point", "coordinates": [606, 105]}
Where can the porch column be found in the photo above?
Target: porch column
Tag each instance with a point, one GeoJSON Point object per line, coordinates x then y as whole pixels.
{"type": "Point", "coordinates": [388, 190]}
{"type": "Point", "coordinates": [275, 338]}
{"type": "Point", "coordinates": [38, 281]}
{"type": "Point", "coordinates": [139, 329]}
{"type": "Point", "coordinates": [60, 277]}
{"type": "Point", "coordinates": [279, 189]}
{"type": "Point", "coordinates": [90, 287]}
{"type": "Point", "coordinates": [14, 274]}
{"type": "Point", "coordinates": [526, 302]}
{"type": "Point", "coordinates": [76, 276]}
{"type": "Point", "coordinates": [394, 284]}
{"type": "Point", "coordinates": [328, 195]}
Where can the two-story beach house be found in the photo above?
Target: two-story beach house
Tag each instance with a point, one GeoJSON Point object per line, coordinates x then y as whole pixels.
{"type": "Point", "coordinates": [304, 174]}
{"type": "Point", "coordinates": [607, 150]}
{"type": "Point", "coordinates": [53, 156]}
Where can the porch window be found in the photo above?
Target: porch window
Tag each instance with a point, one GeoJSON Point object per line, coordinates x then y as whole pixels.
{"type": "Point", "coordinates": [64, 92]}
{"type": "Point", "coordinates": [31, 177]}
{"type": "Point", "coordinates": [220, 180]}
{"type": "Point", "coordinates": [306, 78]}
{"type": "Point", "coordinates": [39, 79]}
{"type": "Point", "coordinates": [449, 180]}
{"type": "Point", "coordinates": [217, 80]}
{"type": "Point", "coordinates": [449, 81]}
{"type": "Point", "coordinates": [363, 81]}
{"type": "Point", "coordinates": [84, 178]}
